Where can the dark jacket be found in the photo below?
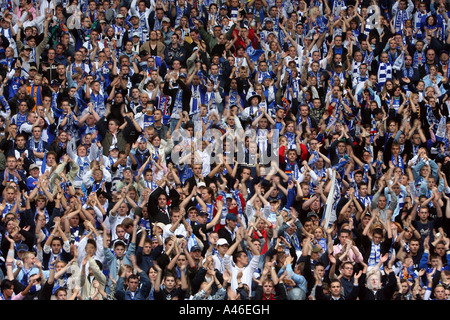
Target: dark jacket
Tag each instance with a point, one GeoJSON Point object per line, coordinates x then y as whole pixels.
{"type": "Point", "coordinates": [320, 295]}
{"type": "Point", "coordinates": [173, 92]}
{"type": "Point", "coordinates": [107, 137]}
{"type": "Point", "coordinates": [155, 213]}
{"type": "Point", "coordinates": [385, 293]}
{"type": "Point", "coordinates": [366, 245]}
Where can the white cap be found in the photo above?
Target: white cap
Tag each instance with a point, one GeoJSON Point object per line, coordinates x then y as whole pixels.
{"type": "Point", "coordinates": [222, 241]}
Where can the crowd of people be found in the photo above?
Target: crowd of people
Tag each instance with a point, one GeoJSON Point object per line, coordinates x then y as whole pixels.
{"type": "Point", "coordinates": [224, 150]}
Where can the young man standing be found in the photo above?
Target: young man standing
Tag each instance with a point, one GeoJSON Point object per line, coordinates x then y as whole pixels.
{"type": "Point", "coordinates": [167, 289]}
{"type": "Point", "coordinates": [237, 261]}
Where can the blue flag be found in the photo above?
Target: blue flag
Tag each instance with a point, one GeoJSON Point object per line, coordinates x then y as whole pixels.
{"type": "Point", "coordinates": [253, 53]}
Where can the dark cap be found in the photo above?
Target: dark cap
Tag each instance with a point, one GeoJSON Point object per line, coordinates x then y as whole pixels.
{"type": "Point", "coordinates": [22, 248]}
{"type": "Point", "coordinates": [193, 208]}
{"type": "Point", "coordinates": [117, 242]}
{"type": "Point", "coordinates": [311, 214]}
{"type": "Point", "coordinates": [231, 216]}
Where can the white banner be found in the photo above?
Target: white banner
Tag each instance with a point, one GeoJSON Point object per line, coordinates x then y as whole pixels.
{"type": "Point", "coordinates": [330, 201]}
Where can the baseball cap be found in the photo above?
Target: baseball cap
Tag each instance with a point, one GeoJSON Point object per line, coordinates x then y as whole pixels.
{"type": "Point", "coordinates": [161, 225]}
{"type": "Point", "coordinates": [192, 208]}
{"type": "Point", "coordinates": [231, 216]}
{"type": "Point", "coordinates": [166, 19]}
{"type": "Point", "coordinates": [222, 241]}
{"type": "Point", "coordinates": [202, 213]}
{"type": "Point", "coordinates": [311, 214]}
{"type": "Point", "coordinates": [135, 34]}
{"type": "Point", "coordinates": [201, 184]}
{"type": "Point", "coordinates": [22, 247]}
{"type": "Point", "coordinates": [34, 166]}
{"type": "Point", "coordinates": [120, 16]}
{"type": "Point", "coordinates": [117, 242]}
{"type": "Point", "coordinates": [32, 68]}
{"type": "Point", "coordinates": [26, 47]}
{"type": "Point", "coordinates": [141, 139]}
{"type": "Point", "coordinates": [195, 248]}
{"type": "Point", "coordinates": [113, 147]}
{"type": "Point", "coordinates": [339, 64]}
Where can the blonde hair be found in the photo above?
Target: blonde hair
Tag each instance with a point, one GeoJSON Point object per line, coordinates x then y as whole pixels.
{"type": "Point", "coordinates": [319, 227]}
{"type": "Point", "coordinates": [314, 10]}
{"type": "Point", "coordinates": [27, 254]}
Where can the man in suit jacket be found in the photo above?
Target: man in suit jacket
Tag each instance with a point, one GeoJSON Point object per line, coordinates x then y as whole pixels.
{"type": "Point", "coordinates": [336, 292]}
{"type": "Point", "coordinates": [229, 231]}
{"type": "Point", "coordinates": [160, 203]}
{"type": "Point", "coordinates": [197, 177]}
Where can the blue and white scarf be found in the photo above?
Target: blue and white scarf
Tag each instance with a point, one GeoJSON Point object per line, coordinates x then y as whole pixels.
{"type": "Point", "coordinates": [431, 118]}
{"type": "Point", "coordinates": [293, 240]}
{"type": "Point", "coordinates": [384, 73]}
{"type": "Point", "coordinates": [375, 255]}
{"type": "Point", "coordinates": [398, 163]}
{"type": "Point", "coordinates": [195, 99]}
{"type": "Point", "coordinates": [400, 19]}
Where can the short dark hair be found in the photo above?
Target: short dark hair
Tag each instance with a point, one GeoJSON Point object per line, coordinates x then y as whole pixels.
{"type": "Point", "coordinates": [58, 239]}
{"type": "Point", "coordinates": [133, 276]}
{"type": "Point", "coordinates": [237, 254]}
{"type": "Point", "coordinates": [92, 241]}
{"type": "Point", "coordinates": [6, 284]}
